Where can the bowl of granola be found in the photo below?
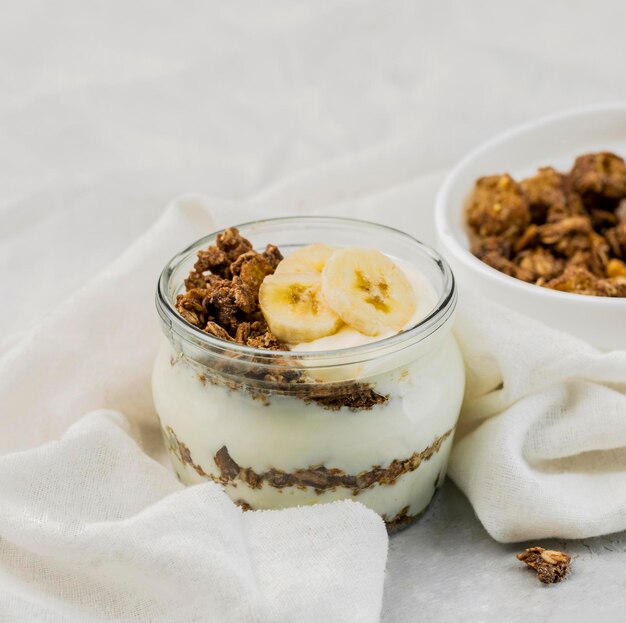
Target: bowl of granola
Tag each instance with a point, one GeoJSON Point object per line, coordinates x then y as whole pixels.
{"type": "Point", "coordinates": [535, 219]}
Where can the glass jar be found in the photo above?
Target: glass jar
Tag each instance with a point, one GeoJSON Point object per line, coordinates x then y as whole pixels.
{"type": "Point", "coordinates": [373, 423]}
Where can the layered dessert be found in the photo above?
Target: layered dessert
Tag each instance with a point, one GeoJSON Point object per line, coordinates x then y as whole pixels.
{"type": "Point", "coordinates": [327, 374]}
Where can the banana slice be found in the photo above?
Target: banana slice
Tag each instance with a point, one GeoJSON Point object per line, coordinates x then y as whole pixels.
{"type": "Point", "coordinates": [368, 291]}
{"type": "Point", "coordinates": [309, 259]}
{"type": "Point", "coordinates": [295, 309]}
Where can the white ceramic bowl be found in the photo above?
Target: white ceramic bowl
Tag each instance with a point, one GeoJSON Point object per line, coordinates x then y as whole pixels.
{"type": "Point", "coordinates": [551, 141]}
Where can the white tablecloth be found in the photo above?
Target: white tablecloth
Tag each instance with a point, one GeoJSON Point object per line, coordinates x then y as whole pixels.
{"type": "Point", "coordinates": [110, 109]}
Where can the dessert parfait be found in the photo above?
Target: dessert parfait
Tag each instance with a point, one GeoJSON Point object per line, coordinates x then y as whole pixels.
{"type": "Point", "coordinates": [308, 360]}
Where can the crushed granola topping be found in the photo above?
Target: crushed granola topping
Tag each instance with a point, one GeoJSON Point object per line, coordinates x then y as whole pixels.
{"type": "Point", "coordinates": [551, 565]}
{"type": "Point", "coordinates": [561, 231]}
{"type": "Point", "coordinates": [222, 299]}
{"type": "Point", "coordinates": [222, 295]}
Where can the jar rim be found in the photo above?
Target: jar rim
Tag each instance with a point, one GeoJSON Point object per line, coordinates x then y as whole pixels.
{"type": "Point", "coordinates": [438, 316]}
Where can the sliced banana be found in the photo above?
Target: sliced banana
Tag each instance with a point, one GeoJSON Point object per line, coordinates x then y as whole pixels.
{"type": "Point", "coordinates": [368, 291]}
{"type": "Point", "coordinates": [309, 259]}
{"type": "Point", "coordinates": [295, 309]}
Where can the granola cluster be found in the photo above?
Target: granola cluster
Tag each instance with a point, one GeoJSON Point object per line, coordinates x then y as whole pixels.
{"type": "Point", "coordinates": [551, 565]}
{"type": "Point", "coordinates": [561, 231]}
{"type": "Point", "coordinates": [222, 296]}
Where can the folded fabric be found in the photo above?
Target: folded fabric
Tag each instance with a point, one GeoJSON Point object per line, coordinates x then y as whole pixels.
{"type": "Point", "coordinates": [93, 529]}
{"type": "Point", "coordinates": [541, 445]}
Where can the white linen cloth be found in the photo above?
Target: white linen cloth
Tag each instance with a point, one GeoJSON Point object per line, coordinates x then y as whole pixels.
{"type": "Point", "coordinates": [94, 529]}
{"type": "Point", "coordinates": [104, 531]}
{"type": "Point", "coordinates": [541, 446]}
{"type": "Point", "coordinates": [542, 456]}
{"type": "Point", "coordinates": [110, 109]}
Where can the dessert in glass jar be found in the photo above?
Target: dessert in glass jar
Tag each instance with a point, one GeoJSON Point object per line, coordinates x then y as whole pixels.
{"type": "Point", "coordinates": [307, 360]}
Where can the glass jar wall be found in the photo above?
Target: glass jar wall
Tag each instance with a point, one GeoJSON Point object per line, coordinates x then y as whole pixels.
{"type": "Point", "coordinates": [372, 423]}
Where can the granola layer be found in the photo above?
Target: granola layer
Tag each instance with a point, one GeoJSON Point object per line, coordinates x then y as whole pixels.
{"type": "Point", "coordinates": [318, 477]}
{"type": "Point", "coordinates": [354, 395]}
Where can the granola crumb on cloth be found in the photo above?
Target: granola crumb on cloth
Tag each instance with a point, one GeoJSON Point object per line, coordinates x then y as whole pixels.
{"type": "Point", "coordinates": [551, 565]}
{"type": "Point", "coordinates": [560, 231]}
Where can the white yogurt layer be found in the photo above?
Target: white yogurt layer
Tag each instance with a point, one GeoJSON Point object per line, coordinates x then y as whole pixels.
{"type": "Point", "coordinates": [347, 337]}
{"type": "Point", "coordinates": [290, 434]}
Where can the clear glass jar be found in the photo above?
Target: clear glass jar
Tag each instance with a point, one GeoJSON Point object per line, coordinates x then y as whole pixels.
{"type": "Point", "coordinates": [267, 425]}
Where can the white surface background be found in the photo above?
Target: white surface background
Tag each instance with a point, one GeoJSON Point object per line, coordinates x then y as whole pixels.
{"type": "Point", "coordinates": [109, 109]}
